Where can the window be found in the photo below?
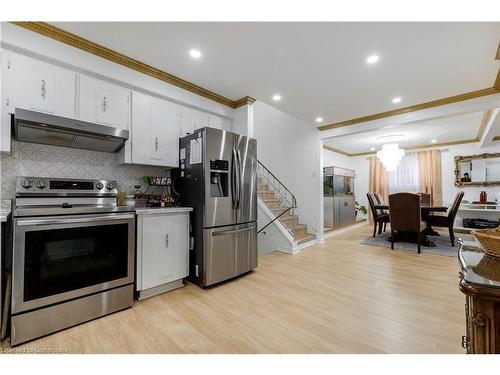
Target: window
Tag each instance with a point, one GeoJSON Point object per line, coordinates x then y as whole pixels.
{"type": "Point", "coordinates": [407, 177]}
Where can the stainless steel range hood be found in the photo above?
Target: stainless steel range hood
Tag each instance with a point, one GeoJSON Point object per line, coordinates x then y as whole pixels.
{"type": "Point", "coordinates": [37, 127]}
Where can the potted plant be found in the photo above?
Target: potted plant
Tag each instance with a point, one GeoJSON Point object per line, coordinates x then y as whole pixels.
{"type": "Point", "coordinates": [361, 209]}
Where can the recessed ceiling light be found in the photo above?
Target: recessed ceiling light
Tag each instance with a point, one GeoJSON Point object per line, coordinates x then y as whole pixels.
{"type": "Point", "coordinates": [319, 119]}
{"type": "Point", "coordinates": [276, 97]}
{"type": "Point", "coordinates": [434, 140]}
{"type": "Point", "coordinates": [195, 54]}
{"type": "Point", "coordinates": [372, 148]}
{"type": "Point", "coordinates": [396, 100]}
{"type": "Point", "coordinates": [372, 59]}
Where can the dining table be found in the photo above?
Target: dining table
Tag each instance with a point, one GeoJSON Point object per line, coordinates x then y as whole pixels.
{"type": "Point", "coordinates": [425, 209]}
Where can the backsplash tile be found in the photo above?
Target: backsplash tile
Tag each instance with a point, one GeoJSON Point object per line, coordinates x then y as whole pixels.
{"type": "Point", "coordinates": [29, 159]}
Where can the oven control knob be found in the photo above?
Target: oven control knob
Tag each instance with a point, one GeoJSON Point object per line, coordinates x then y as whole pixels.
{"type": "Point", "coordinates": [99, 186]}
{"type": "Point", "coordinates": [41, 184]}
{"type": "Point", "coordinates": [26, 184]}
{"type": "Point", "coordinates": [110, 186]}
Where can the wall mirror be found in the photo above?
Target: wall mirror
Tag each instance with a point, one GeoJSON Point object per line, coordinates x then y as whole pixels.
{"type": "Point", "coordinates": [477, 170]}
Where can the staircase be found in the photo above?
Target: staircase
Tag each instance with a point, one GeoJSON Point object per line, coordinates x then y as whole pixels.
{"type": "Point", "coordinates": [282, 205]}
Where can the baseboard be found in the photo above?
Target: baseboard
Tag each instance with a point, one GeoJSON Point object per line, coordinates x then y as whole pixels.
{"type": "Point", "coordinates": [336, 232]}
{"type": "Point", "coordinates": [143, 294]}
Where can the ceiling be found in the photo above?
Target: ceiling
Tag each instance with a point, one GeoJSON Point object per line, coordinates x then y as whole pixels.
{"type": "Point", "coordinates": [442, 130]}
{"type": "Point", "coordinates": [319, 69]}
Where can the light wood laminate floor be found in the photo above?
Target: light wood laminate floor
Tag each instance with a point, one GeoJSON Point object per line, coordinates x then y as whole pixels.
{"type": "Point", "coordinates": [338, 297]}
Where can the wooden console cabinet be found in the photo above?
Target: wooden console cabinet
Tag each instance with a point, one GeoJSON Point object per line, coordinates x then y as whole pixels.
{"type": "Point", "coordinates": [480, 282]}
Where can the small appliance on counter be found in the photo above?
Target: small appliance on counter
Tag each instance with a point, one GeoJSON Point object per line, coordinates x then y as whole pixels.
{"type": "Point", "coordinates": [73, 254]}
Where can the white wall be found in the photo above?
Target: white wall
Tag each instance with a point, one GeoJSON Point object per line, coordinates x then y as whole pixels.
{"type": "Point", "coordinates": [271, 238]}
{"type": "Point", "coordinates": [331, 159]}
{"type": "Point", "coordinates": [289, 148]}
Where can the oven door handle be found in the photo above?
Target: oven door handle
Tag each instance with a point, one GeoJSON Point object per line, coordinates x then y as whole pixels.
{"type": "Point", "coordinates": [73, 220]}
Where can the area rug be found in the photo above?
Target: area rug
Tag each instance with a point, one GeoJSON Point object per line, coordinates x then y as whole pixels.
{"type": "Point", "coordinates": [443, 244]}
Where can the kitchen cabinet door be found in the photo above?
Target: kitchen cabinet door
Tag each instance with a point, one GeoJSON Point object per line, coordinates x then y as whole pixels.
{"type": "Point", "coordinates": [103, 102]}
{"type": "Point", "coordinates": [154, 131]}
{"type": "Point", "coordinates": [5, 127]}
{"type": "Point", "coordinates": [38, 86]}
{"type": "Point", "coordinates": [191, 120]}
{"type": "Point", "coordinates": [163, 249]}
{"type": "Point", "coordinates": [167, 133]}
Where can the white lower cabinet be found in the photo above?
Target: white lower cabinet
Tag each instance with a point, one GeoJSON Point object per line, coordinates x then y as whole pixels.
{"type": "Point", "coordinates": [162, 250]}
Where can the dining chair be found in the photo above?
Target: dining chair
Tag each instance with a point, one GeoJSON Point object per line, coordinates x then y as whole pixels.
{"type": "Point", "coordinates": [379, 201]}
{"type": "Point", "coordinates": [425, 198]}
{"type": "Point", "coordinates": [447, 220]}
{"type": "Point", "coordinates": [405, 216]}
{"type": "Point", "coordinates": [379, 217]}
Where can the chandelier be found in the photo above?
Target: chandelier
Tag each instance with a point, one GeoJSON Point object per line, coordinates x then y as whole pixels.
{"type": "Point", "coordinates": [390, 155]}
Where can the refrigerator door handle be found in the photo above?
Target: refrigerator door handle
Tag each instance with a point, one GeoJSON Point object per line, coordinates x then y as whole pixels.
{"type": "Point", "coordinates": [234, 182]}
{"type": "Point", "coordinates": [232, 231]}
{"type": "Point", "coordinates": [240, 181]}
{"type": "Point", "coordinates": [236, 179]}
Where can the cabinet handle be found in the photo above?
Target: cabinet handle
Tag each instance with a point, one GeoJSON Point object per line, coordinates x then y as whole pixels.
{"type": "Point", "coordinates": [166, 240]}
{"type": "Point", "coordinates": [156, 143]}
{"type": "Point", "coordinates": [104, 104]}
{"type": "Point", "coordinates": [43, 89]}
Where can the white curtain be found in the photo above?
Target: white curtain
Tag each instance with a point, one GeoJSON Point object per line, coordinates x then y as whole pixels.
{"type": "Point", "coordinates": [407, 177]}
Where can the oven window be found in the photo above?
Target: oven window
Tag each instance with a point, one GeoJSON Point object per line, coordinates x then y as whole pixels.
{"type": "Point", "coordinates": [61, 260]}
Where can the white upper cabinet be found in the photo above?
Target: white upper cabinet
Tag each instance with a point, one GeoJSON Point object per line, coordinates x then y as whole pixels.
{"type": "Point", "coordinates": [191, 120]}
{"type": "Point", "coordinates": [155, 129]}
{"type": "Point", "coordinates": [155, 125]}
{"type": "Point", "coordinates": [4, 105]}
{"type": "Point", "coordinates": [103, 103]}
{"type": "Point", "coordinates": [35, 85]}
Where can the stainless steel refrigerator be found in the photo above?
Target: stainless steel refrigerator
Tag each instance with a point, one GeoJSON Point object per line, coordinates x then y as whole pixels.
{"type": "Point", "coordinates": [217, 176]}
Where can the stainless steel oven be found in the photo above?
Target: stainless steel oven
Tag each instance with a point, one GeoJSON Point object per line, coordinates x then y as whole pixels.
{"type": "Point", "coordinates": [73, 255]}
{"type": "Point", "coordinates": [57, 258]}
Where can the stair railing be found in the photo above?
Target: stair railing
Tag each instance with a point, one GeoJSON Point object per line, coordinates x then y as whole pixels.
{"type": "Point", "coordinates": [286, 199]}
{"type": "Point", "coordinates": [276, 184]}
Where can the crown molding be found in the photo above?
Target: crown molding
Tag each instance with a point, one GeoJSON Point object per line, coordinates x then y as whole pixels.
{"type": "Point", "coordinates": [413, 108]}
{"type": "Point", "coordinates": [330, 148]}
{"type": "Point", "coordinates": [246, 100]}
{"type": "Point", "coordinates": [484, 121]}
{"type": "Point", "coordinates": [418, 107]}
{"type": "Point", "coordinates": [496, 85]}
{"type": "Point", "coordinates": [413, 148]}
{"type": "Point", "coordinates": [75, 41]}
{"type": "Point", "coordinates": [443, 144]}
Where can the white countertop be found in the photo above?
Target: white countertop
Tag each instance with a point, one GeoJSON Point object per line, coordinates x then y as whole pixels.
{"type": "Point", "coordinates": [161, 210]}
